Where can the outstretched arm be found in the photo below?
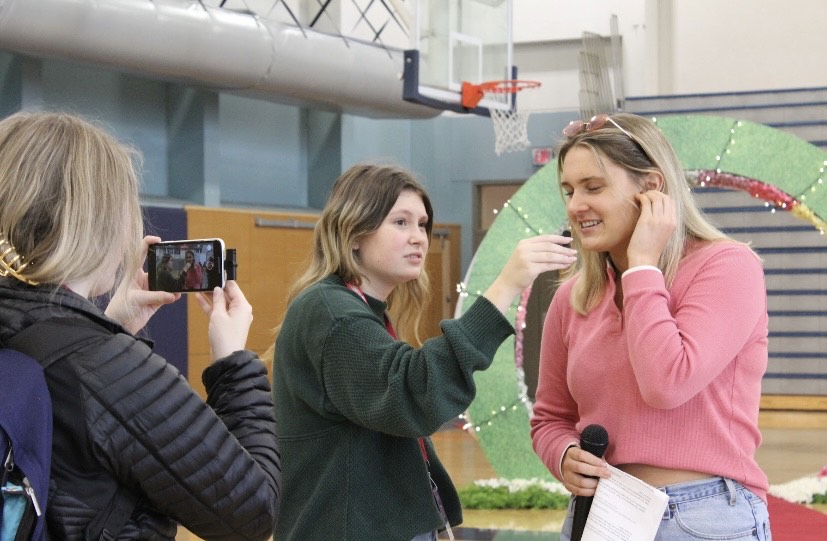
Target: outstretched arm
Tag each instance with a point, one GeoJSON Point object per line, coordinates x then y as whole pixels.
{"type": "Point", "coordinates": [531, 257]}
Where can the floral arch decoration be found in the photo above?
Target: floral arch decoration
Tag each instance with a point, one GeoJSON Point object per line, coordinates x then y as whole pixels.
{"type": "Point", "coordinates": [786, 172]}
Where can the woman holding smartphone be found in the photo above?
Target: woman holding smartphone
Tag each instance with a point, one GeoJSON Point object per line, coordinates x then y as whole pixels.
{"type": "Point", "coordinates": [135, 450]}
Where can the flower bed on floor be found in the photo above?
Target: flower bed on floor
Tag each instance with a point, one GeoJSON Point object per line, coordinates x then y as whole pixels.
{"type": "Point", "coordinates": [803, 490]}
{"type": "Point", "coordinates": [514, 494]}
{"type": "Point", "coordinates": [539, 494]}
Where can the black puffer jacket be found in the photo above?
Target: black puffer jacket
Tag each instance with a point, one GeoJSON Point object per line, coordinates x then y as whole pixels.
{"type": "Point", "coordinates": [125, 417]}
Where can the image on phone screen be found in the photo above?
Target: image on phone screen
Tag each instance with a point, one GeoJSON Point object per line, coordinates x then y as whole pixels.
{"type": "Point", "coordinates": [184, 266]}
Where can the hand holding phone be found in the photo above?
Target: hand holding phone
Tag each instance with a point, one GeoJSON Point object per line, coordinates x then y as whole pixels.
{"type": "Point", "coordinates": [133, 304]}
{"type": "Point", "coordinates": [230, 316]}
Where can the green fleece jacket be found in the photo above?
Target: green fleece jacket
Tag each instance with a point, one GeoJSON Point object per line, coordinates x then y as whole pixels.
{"type": "Point", "coordinates": [351, 403]}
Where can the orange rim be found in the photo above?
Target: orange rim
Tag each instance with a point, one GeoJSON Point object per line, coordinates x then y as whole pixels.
{"type": "Point", "coordinates": [472, 94]}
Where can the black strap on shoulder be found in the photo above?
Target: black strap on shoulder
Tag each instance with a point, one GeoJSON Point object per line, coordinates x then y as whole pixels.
{"type": "Point", "coordinates": [111, 521]}
{"type": "Point", "coordinates": [47, 341]}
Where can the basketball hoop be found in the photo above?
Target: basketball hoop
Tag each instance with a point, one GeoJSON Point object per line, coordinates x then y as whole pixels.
{"type": "Point", "coordinates": [509, 123]}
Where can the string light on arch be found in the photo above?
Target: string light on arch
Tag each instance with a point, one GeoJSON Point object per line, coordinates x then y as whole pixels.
{"type": "Point", "coordinates": [530, 229]}
{"type": "Point", "coordinates": [727, 147]}
{"type": "Point", "coordinates": [816, 184]}
{"type": "Point", "coordinates": [489, 421]}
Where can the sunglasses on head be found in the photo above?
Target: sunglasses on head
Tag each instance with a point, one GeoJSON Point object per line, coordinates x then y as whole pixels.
{"type": "Point", "coordinates": [577, 127]}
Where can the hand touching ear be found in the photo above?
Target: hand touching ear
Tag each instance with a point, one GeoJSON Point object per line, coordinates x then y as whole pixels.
{"type": "Point", "coordinates": [655, 226]}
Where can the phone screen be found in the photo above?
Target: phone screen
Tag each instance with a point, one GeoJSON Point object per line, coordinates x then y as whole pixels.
{"type": "Point", "coordinates": [183, 266]}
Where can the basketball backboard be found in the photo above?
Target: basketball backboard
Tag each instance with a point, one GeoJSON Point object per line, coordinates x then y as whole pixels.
{"type": "Point", "coordinates": [456, 41]}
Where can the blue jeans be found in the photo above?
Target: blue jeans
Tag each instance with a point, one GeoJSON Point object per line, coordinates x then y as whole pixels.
{"type": "Point", "coordinates": [712, 509]}
{"type": "Point", "coordinates": [430, 536]}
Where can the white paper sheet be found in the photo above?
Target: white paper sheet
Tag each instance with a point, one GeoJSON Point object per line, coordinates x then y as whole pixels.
{"type": "Point", "coordinates": [624, 508]}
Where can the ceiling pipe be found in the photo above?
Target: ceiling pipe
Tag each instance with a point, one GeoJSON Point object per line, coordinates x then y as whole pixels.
{"type": "Point", "coordinates": [226, 51]}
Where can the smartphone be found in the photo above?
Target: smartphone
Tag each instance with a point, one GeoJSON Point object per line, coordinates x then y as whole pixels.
{"type": "Point", "coordinates": [184, 266]}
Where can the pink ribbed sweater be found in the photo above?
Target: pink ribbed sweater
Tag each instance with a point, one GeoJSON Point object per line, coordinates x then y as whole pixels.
{"type": "Point", "coordinates": [675, 379]}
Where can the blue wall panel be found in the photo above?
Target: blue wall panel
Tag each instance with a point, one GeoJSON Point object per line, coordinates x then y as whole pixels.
{"type": "Point", "coordinates": [168, 327]}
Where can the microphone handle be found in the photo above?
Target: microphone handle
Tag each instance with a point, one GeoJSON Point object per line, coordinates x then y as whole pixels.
{"type": "Point", "coordinates": [583, 504]}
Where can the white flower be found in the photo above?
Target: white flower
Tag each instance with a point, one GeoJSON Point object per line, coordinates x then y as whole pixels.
{"type": "Point", "coordinates": [516, 485]}
{"type": "Point", "coordinates": [800, 490]}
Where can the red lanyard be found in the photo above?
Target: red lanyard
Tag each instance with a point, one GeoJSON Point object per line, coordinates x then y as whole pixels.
{"type": "Point", "coordinates": [389, 326]}
{"type": "Point", "coordinates": [356, 289]}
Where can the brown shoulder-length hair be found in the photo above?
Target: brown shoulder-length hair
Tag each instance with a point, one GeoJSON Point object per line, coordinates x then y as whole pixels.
{"type": "Point", "coordinates": [361, 199]}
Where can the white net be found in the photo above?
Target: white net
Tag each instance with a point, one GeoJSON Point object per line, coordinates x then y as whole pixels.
{"type": "Point", "coordinates": [510, 124]}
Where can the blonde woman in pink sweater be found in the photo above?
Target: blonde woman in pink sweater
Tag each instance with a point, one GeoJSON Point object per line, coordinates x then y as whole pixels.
{"type": "Point", "coordinates": [659, 335]}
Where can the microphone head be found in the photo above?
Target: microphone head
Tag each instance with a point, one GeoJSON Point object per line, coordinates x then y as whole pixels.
{"type": "Point", "coordinates": [594, 439]}
{"type": "Point", "coordinates": [566, 233]}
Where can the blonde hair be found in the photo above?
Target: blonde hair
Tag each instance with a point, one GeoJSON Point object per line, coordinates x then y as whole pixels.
{"type": "Point", "coordinates": [361, 199]}
{"type": "Point", "coordinates": [66, 186]}
{"type": "Point", "coordinates": [638, 146]}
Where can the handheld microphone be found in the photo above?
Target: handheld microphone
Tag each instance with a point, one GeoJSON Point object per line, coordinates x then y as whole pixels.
{"type": "Point", "coordinates": [593, 439]}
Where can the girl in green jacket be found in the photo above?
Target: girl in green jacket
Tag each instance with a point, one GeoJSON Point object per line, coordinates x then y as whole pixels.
{"type": "Point", "coordinates": [355, 403]}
